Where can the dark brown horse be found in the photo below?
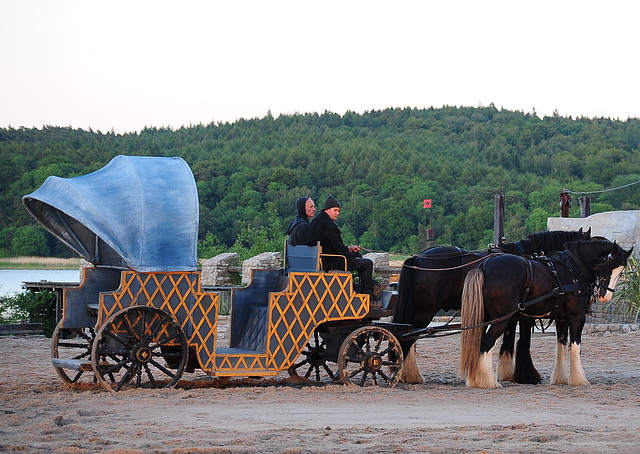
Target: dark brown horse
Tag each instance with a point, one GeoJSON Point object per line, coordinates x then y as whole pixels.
{"type": "Point", "coordinates": [557, 287]}
{"type": "Point", "coordinates": [433, 280]}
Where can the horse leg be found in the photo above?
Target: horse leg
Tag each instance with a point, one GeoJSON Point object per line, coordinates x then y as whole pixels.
{"type": "Point", "coordinates": [525, 371]}
{"type": "Point", "coordinates": [505, 368]}
{"type": "Point", "coordinates": [559, 376]}
{"type": "Point", "coordinates": [484, 376]}
{"type": "Point", "coordinates": [410, 372]}
{"type": "Point", "coordinates": [577, 376]}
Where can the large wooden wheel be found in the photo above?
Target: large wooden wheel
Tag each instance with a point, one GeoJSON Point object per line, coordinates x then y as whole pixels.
{"type": "Point", "coordinates": [314, 360]}
{"type": "Point", "coordinates": [73, 344]}
{"type": "Point", "coordinates": [137, 347]}
{"type": "Point", "coordinates": [370, 356]}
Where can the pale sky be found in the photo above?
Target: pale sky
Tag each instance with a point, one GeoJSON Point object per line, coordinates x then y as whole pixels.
{"type": "Point", "coordinates": [123, 65]}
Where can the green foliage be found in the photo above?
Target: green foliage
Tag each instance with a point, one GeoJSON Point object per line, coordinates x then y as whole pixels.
{"type": "Point", "coordinates": [254, 240]}
{"type": "Point", "coordinates": [380, 165]}
{"type": "Point", "coordinates": [32, 307]}
{"type": "Point", "coordinates": [627, 295]}
{"type": "Point", "coordinates": [28, 241]}
{"type": "Point", "coordinates": [210, 247]}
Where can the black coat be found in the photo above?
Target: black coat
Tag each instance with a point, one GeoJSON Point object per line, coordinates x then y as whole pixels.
{"type": "Point", "coordinates": [323, 229]}
{"type": "Point", "coordinates": [298, 230]}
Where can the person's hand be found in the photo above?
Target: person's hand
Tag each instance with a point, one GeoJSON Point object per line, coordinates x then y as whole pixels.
{"type": "Point", "coordinates": [354, 248]}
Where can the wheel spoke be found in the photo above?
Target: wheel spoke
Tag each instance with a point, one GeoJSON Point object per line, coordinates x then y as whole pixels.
{"type": "Point", "coordinates": [130, 330]}
{"type": "Point", "coordinates": [378, 358]}
{"type": "Point", "coordinates": [125, 378]}
{"type": "Point", "coordinates": [163, 342]}
{"type": "Point", "coordinates": [162, 368]}
{"type": "Point", "coordinates": [330, 372]}
{"type": "Point", "coordinates": [77, 376]}
{"type": "Point", "coordinates": [384, 376]}
{"type": "Point", "coordinates": [313, 356]}
{"type": "Point", "coordinates": [150, 375]}
{"type": "Point", "coordinates": [113, 335]}
{"type": "Point", "coordinates": [141, 333]}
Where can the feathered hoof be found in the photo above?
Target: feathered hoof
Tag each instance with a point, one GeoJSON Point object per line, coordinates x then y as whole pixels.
{"type": "Point", "coordinates": [482, 384]}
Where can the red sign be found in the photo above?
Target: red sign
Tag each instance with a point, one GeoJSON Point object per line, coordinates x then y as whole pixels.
{"type": "Point", "coordinates": [427, 203]}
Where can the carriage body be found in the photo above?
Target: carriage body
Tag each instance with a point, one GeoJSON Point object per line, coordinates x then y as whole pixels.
{"type": "Point", "coordinates": [140, 312]}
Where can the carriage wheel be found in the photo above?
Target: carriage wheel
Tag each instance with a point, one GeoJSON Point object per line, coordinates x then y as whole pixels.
{"type": "Point", "coordinates": [314, 361]}
{"type": "Point", "coordinates": [72, 343]}
{"type": "Point", "coordinates": [370, 356]}
{"type": "Point", "coordinates": [136, 347]}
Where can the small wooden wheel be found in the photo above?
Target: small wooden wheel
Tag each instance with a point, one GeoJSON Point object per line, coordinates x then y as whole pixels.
{"type": "Point", "coordinates": [370, 356]}
{"type": "Point", "coordinates": [315, 361]}
{"type": "Point", "coordinates": [73, 344]}
{"type": "Point", "coordinates": [136, 347]}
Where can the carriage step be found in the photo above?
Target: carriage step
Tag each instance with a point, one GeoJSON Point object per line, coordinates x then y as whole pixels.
{"type": "Point", "coordinates": [93, 309]}
{"type": "Point", "coordinates": [75, 364]}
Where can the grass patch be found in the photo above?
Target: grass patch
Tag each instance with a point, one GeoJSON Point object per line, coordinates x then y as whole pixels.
{"type": "Point", "coordinates": [39, 263]}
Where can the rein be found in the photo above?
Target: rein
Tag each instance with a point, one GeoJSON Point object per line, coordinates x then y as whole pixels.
{"type": "Point", "coordinates": [464, 265]}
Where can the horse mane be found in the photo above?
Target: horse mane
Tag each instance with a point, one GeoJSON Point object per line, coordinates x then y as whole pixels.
{"type": "Point", "coordinates": [547, 241]}
{"type": "Point", "coordinates": [553, 240]}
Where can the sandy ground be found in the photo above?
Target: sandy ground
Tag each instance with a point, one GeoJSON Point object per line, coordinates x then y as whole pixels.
{"type": "Point", "coordinates": [207, 415]}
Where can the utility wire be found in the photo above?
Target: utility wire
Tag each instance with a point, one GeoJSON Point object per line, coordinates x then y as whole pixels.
{"type": "Point", "coordinates": [604, 190]}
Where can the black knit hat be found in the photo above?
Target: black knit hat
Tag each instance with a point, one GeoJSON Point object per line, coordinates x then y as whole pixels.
{"type": "Point", "coordinates": [331, 202]}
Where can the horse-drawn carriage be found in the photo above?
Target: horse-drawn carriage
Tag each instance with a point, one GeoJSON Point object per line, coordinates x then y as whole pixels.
{"type": "Point", "coordinates": [140, 318]}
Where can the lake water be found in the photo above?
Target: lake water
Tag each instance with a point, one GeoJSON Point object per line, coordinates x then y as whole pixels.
{"type": "Point", "coordinates": [11, 280]}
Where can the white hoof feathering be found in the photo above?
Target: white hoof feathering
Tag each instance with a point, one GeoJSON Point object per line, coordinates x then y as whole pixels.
{"type": "Point", "coordinates": [559, 376]}
{"type": "Point", "coordinates": [576, 372]}
{"type": "Point", "coordinates": [484, 377]}
{"type": "Point", "coordinates": [505, 368]}
{"type": "Point", "coordinates": [410, 372]}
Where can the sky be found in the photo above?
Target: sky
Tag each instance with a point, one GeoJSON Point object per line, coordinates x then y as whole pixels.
{"type": "Point", "coordinates": [125, 65]}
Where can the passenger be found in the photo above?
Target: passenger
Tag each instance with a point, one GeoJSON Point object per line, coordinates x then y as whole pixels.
{"type": "Point", "coordinates": [324, 229]}
{"type": "Point", "coordinates": [298, 230]}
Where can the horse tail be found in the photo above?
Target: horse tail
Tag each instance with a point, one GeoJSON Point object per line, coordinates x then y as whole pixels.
{"type": "Point", "coordinates": [472, 315]}
{"type": "Point", "coordinates": [405, 309]}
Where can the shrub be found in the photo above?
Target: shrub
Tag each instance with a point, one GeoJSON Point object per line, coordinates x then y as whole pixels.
{"type": "Point", "coordinates": [627, 295]}
{"type": "Point", "coordinates": [34, 307]}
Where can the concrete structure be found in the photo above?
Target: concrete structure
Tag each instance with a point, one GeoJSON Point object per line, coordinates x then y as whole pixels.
{"type": "Point", "coordinates": [215, 271]}
{"type": "Point", "coordinates": [264, 261]}
{"type": "Point", "coordinates": [620, 226]}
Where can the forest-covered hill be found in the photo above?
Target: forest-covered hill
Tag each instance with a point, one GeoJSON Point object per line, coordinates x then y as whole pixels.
{"type": "Point", "coordinates": [381, 165]}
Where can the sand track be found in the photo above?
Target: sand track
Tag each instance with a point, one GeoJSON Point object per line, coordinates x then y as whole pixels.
{"type": "Point", "coordinates": [208, 415]}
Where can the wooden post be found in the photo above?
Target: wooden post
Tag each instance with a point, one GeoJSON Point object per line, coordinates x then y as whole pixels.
{"type": "Point", "coordinates": [565, 203]}
{"type": "Point", "coordinates": [585, 206]}
{"type": "Point", "coordinates": [498, 218]}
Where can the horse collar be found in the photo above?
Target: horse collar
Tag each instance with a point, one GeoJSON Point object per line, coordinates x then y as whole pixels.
{"type": "Point", "coordinates": [572, 259]}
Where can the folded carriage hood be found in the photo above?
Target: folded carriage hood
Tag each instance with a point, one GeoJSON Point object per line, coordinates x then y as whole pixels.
{"type": "Point", "coordinates": [136, 212]}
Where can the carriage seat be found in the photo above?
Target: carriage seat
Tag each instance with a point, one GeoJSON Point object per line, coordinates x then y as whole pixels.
{"type": "Point", "coordinates": [250, 314]}
{"type": "Point", "coordinates": [302, 258]}
{"type": "Point", "coordinates": [308, 259]}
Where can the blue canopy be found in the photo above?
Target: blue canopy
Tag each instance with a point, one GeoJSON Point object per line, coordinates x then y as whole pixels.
{"type": "Point", "coordinates": [136, 212]}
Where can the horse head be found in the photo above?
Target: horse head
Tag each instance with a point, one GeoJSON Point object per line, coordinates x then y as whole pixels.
{"type": "Point", "coordinates": [609, 267]}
